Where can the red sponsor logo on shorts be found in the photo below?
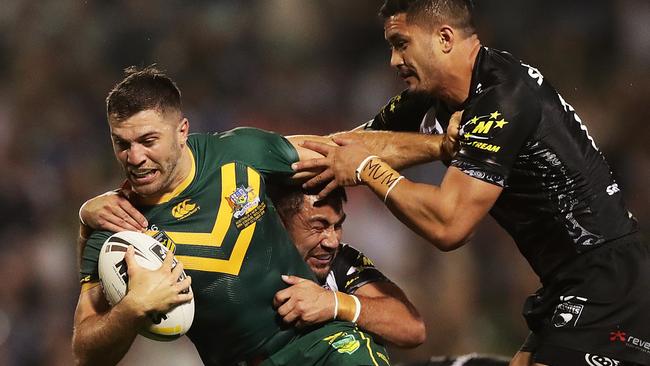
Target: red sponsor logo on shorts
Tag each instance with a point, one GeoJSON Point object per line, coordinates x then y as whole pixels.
{"type": "Point", "coordinates": [617, 336]}
{"type": "Point", "coordinates": [630, 340]}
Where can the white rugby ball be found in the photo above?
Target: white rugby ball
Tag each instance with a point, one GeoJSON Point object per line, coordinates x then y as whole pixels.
{"type": "Point", "coordinates": [149, 253]}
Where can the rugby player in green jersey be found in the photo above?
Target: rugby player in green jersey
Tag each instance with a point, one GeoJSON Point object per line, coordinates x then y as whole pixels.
{"type": "Point", "coordinates": [316, 228]}
{"type": "Point", "coordinates": [207, 194]}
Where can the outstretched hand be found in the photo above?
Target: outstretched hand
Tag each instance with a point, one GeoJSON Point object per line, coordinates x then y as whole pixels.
{"type": "Point", "coordinates": [112, 211]}
{"type": "Point", "coordinates": [337, 166]}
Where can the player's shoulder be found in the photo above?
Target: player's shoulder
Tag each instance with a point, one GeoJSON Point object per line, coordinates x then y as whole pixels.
{"type": "Point", "coordinates": [246, 133]}
{"type": "Point", "coordinates": [232, 136]}
{"type": "Point", "coordinates": [348, 256]}
{"type": "Point", "coordinates": [348, 251]}
{"type": "Point", "coordinates": [506, 77]}
{"type": "Point", "coordinates": [503, 88]}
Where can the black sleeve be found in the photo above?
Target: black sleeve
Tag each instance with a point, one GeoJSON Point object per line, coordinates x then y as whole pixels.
{"type": "Point", "coordinates": [494, 129]}
{"type": "Point", "coordinates": [404, 112]}
{"type": "Point", "coordinates": [352, 269]}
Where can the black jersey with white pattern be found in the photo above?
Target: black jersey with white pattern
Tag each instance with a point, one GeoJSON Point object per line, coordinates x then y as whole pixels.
{"type": "Point", "coordinates": [559, 197]}
{"type": "Point", "coordinates": [350, 270]}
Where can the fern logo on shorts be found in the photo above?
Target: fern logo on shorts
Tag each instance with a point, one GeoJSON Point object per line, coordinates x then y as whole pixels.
{"type": "Point", "coordinates": [568, 311]}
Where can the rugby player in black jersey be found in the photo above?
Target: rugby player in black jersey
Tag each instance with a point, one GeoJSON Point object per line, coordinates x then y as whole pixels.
{"type": "Point", "coordinates": [526, 158]}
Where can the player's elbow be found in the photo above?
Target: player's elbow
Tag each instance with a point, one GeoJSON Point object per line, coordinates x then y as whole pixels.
{"type": "Point", "coordinates": [418, 334]}
{"type": "Point", "coordinates": [447, 240]}
{"type": "Point", "coordinates": [82, 354]}
{"type": "Point", "coordinates": [412, 334]}
{"type": "Point", "coordinates": [80, 359]}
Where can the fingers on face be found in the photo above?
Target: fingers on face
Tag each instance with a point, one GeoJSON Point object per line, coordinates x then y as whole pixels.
{"type": "Point", "coordinates": [328, 189]}
{"type": "Point", "coordinates": [318, 180]}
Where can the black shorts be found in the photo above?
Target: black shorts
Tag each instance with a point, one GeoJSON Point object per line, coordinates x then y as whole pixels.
{"type": "Point", "coordinates": [599, 305]}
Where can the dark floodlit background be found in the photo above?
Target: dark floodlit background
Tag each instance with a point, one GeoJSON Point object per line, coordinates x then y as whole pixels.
{"type": "Point", "coordinates": [291, 66]}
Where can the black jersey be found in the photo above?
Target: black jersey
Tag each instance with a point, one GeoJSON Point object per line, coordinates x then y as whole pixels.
{"type": "Point", "coordinates": [559, 196]}
{"type": "Point", "coordinates": [350, 270]}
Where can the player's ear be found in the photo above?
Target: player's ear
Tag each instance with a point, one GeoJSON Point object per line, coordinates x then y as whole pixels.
{"type": "Point", "coordinates": [183, 131]}
{"type": "Point", "coordinates": [446, 37]}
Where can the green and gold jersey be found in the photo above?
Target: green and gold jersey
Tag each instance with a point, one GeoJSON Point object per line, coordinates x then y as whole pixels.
{"type": "Point", "coordinates": [230, 240]}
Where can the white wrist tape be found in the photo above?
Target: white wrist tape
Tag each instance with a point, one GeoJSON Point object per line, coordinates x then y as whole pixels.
{"type": "Point", "coordinates": [357, 310]}
{"type": "Point", "coordinates": [336, 304]}
{"type": "Point", "coordinates": [392, 186]}
{"type": "Point", "coordinates": [362, 165]}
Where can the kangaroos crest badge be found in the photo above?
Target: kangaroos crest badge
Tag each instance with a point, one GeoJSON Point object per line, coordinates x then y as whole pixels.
{"type": "Point", "coordinates": [246, 206]}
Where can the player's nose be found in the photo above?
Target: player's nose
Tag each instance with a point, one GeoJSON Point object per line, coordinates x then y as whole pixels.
{"type": "Point", "coordinates": [136, 155]}
{"type": "Point", "coordinates": [331, 240]}
{"type": "Point", "coordinates": [396, 59]}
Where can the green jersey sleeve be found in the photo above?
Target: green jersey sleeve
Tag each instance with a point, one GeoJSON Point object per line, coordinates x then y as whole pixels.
{"type": "Point", "coordinates": [90, 256]}
{"type": "Point", "coordinates": [267, 152]}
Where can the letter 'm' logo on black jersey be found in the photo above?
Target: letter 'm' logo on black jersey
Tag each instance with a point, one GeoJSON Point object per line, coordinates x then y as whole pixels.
{"type": "Point", "coordinates": [479, 129]}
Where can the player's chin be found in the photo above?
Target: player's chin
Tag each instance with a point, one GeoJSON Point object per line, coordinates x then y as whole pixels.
{"type": "Point", "coordinates": [145, 190]}
{"type": "Point", "coordinates": [412, 84]}
{"type": "Point", "coordinates": [320, 271]}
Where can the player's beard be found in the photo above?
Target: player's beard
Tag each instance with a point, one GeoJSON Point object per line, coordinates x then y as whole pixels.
{"type": "Point", "coordinates": [166, 175]}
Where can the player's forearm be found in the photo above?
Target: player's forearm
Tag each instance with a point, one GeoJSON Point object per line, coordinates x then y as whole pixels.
{"type": "Point", "coordinates": [391, 320]}
{"type": "Point", "coordinates": [401, 149]}
{"type": "Point", "coordinates": [104, 339]}
{"type": "Point", "coordinates": [428, 212]}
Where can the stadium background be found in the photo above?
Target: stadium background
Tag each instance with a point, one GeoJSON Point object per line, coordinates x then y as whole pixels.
{"type": "Point", "coordinates": [292, 66]}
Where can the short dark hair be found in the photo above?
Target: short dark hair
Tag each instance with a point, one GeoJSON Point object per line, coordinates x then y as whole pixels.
{"type": "Point", "coordinates": [457, 13]}
{"type": "Point", "coordinates": [140, 90]}
{"type": "Point", "coordinates": [289, 199]}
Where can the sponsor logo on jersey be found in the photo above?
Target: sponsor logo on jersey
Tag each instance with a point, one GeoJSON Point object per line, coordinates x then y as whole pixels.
{"type": "Point", "coordinates": [613, 189]}
{"type": "Point", "coordinates": [163, 239]}
{"type": "Point", "coordinates": [596, 360]}
{"type": "Point", "coordinates": [184, 209]}
{"type": "Point", "coordinates": [630, 340]}
{"type": "Point", "coordinates": [343, 342]}
{"type": "Point", "coordinates": [481, 128]}
{"type": "Point", "coordinates": [568, 311]}
{"type": "Point", "coordinates": [246, 206]}
{"type": "Point", "coordinates": [485, 146]}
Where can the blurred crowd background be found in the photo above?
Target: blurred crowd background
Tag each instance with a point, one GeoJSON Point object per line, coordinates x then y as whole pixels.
{"type": "Point", "coordinates": [291, 66]}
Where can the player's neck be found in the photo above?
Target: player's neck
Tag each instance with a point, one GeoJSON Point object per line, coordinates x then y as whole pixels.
{"type": "Point", "coordinates": [460, 80]}
{"type": "Point", "coordinates": [184, 169]}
